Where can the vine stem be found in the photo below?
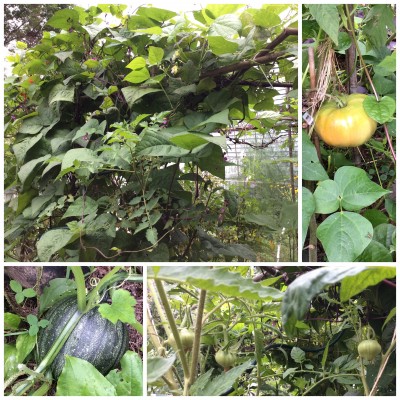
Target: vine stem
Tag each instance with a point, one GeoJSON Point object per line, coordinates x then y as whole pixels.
{"type": "Point", "coordinates": [173, 327]}
{"type": "Point", "coordinates": [353, 34]}
{"type": "Point", "coordinates": [384, 362]}
{"type": "Point", "coordinates": [197, 336]}
{"type": "Point", "coordinates": [80, 285]}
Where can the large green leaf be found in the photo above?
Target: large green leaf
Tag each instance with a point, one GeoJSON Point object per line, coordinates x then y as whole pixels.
{"type": "Point", "coordinates": [191, 140]}
{"type": "Point", "coordinates": [56, 290]}
{"type": "Point", "coordinates": [226, 26]}
{"type": "Point", "coordinates": [351, 285]}
{"type": "Point", "coordinates": [61, 92]}
{"type": "Point", "coordinates": [312, 168]}
{"type": "Point", "coordinates": [128, 381]}
{"type": "Point", "coordinates": [327, 197]}
{"type": "Point", "coordinates": [298, 296]}
{"type": "Point", "coordinates": [80, 378]}
{"type": "Point", "coordinates": [133, 94]}
{"type": "Point", "coordinates": [219, 45]}
{"type": "Point", "coordinates": [223, 382]}
{"type": "Point", "coordinates": [28, 172]}
{"type": "Point", "coordinates": [356, 189]}
{"type": "Point", "coordinates": [122, 309]}
{"type": "Point", "coordinates": [52, 241]}
{"type": "Point", "coordinates": [344, 236]}
{"type": "Point", "coordinates": [81, 206]}
{"type": "Point", "coordinates": [25, 344]}
{"type": "Point", "coordinates": [327, 16]}
{"type": "Point", "coordinates": [154, 144]}
{"type": "Point", "coordinates": [76, 156]}
{"type": "Point", "coordinates": [381, 111]}
{"type": "Point", "coordinates": [63, 19]}
{"type": "Point", "coordinates": [158, 366]}
{"type": "Point", "coordinates": [308, 209]}
{"type": "Point", "coordinates": [262, 220]}
{"type": "Point", "coordinates": [219, 280]}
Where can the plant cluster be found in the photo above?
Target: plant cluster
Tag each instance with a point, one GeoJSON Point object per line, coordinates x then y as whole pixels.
{"type": "Point", "coordinates": [116, 128]}
{"type": "Point", "coordinates": [349, 207]}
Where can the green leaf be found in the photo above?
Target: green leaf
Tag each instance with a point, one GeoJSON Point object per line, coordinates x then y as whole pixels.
{"type": "Point", "coordinates": [122, 308]}
{"type": "Point", "coordinates": [388, 64]}
{"type": "Point", "coordinates": [156, 55]}
{"type": "Point", "coordinates": [220, 384]}
{"type": "Point", "coordinates": [133, 94]}
{"type": "Point", "coordinates": [356, 189]}
{"type": "Point", "coordinates": [52, 241]}
{"type": "Point", "coordinates": [11, 321]}
{"type": "Point", "coordinates": [29, 293]}
{"type": "Point", "coordinates": [381, 111]}
{"type": "Point", "coordinates": [353, 285]}
{"type": "Point", "coordinates": [227, 26]}
{"type": "Point", "coordinates": [308, 209]}
{"type": "Point", "coordinates": [19, 297]}
{"type": "Point", "coordinates": [80, 155]}
{"type": "Point", "coordinates": [28, 172]}
{"type": "Point", "coordinates": [158, 366]}
{"type": "Point", "coordinates": [312, 168]}
{"type": "Point", "coordinates": [25, 344]}
{"type": "Point", "coordinates": [15, 286]}
{"type": "Point", "coordinates": [129, 381]}
{"type": "Point", "coordinates": [156, 14]}
{"type": "Point", "coordinates": [219, 280]}
{"type": "Point", "coordinates": [80, 378]}
{"type": "Point", "coordinates": [10, 360]}
{"type": "Point", "coordinates": [152, 235]}
{"type": "Point", "coordinates": [64, 19]}
{"type": "Point", "coordinates": [80, 207]}
{"type": "Point", "coordinates": [138, 76]}
{"type": "Point", "coordinates": [220, 45]}
{"type": "Point", "coordinates": [326, 196]}
{"type": "Point", "coordinates": [154, 144]}
{"type": "Point", "coordinates": [344, 236]}
{"type": "Point", "coordinates": [328, 19]}
{"type": "Point", "coordinates": [261, 219]}
{"type": "Point", "coordinates": [61, 92]}
{"type": "Point", "coordinates": [56, 290]}
{"type": "Point", "coordinates": [298, 296]}
{"type": "Point", "coordinates": [137, 63]}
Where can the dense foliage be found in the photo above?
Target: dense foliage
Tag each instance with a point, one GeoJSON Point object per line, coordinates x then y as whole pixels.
{"type": "Point", "coordinates": [272, 331]}
{"type": "Point", "coordinates": [117, 124]}
{"type": "Point", "coordinates": [349, 193]}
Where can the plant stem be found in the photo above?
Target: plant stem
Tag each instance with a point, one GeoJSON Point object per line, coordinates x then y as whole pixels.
{"type": "Point", "coordinates": [197, 336]}
{"type": "Point", "coordinates": [174, 328]}
{"type": "Point", "coordinates": [80, 286]}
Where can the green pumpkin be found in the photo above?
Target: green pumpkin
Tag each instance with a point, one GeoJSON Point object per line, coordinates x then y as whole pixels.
{"type": "Point", "coordinates": [94, 338]}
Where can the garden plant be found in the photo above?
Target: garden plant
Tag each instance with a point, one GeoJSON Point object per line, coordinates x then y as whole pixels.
{"type": "Point", "coordinates": [271, 331]}
{"type": "Point", "coordinates": [349, 159]}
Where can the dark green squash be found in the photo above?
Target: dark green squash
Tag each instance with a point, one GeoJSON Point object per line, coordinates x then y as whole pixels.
{"type": "Point", "coordinates": [94, 339]}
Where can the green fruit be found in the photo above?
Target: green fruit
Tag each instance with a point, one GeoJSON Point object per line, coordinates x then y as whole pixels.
{"type": "Point", "coordinates": [94, 338]}
{"type": "Point", "coordinates": [369, 349]}
{"type": "Point", "coordinates": [225, 358]}
{"type": "Point", "coordinates": [187, 338]}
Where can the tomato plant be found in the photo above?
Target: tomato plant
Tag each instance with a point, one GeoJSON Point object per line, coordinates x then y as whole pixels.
{"type": "Point", "coordinates": [63, 313]}
{"type": "Point", "coordinates": [349, 159]}
{"type": "Point", "coordinates": [270, 331]}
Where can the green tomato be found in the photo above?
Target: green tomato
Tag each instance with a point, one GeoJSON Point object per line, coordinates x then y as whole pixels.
{"type": "Point", "coordinates": [369, 349]}
{"type": "Point", "coordinates": [225, 358]}
{"type": "Point", "coordinates": [347, 126]}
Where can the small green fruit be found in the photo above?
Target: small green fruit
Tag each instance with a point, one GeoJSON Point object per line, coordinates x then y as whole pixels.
{"type": "Point", "coordinates": [225, 359]}
{"type": "Point", "coordinates": [369, 349]}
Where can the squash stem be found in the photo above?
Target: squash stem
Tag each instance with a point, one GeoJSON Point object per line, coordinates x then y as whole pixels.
{"type": "Point", "coordinates": [80, 285]}
{"type": "Point", "coordinates": [51, 355]}
{"type": "Point", "coordinates": [93, 295]}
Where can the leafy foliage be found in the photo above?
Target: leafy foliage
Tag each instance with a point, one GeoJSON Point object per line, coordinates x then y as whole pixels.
{"type": "Point", "coordinates": [301, 343]}
{"type": "Point", "coordinates": [116, 128]}
{"type": "Point", "coordinates": [360, 184]}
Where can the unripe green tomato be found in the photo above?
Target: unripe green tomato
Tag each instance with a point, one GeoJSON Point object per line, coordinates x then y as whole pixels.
{"type": "Point", "coordinates": [225, 358]}
{"type": "Point", "coordinates": [369, 349]}
{"type": "Point", "coordinates": [187, 338]}
{"type": "Point", "coordinates": [349, 126]}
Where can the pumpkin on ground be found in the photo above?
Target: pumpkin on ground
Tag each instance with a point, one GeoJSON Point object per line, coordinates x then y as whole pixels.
{"type": "Point", "coordinates": [94, 338]}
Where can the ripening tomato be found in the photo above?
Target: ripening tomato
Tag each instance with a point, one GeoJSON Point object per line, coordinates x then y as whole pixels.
{"type": "Point", "coordinates": [347, 126]}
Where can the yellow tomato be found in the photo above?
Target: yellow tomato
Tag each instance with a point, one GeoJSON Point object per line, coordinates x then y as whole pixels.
{"type": "Point", "coordinates": [347, 126]}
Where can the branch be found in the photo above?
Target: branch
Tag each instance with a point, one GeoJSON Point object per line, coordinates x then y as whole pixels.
{"type": "Point", "coordinates": [278, 40]}
{"type": "Point", "coordinates": [266, 84]}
